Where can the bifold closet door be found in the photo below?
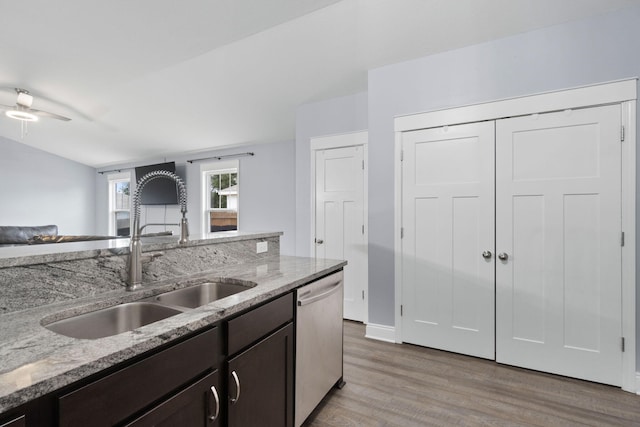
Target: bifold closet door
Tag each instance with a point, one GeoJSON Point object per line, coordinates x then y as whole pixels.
{"type": "Point", "coordinates": [448, 288]}
{"type": "Point", "coordinates": [558, 233]}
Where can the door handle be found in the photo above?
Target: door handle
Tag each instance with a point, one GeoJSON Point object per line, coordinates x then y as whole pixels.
{"type": "Point", "coordinates": [216, 398]}
{"type": "Point", "coordinates": [237, 381]}
{"type": "Point", "coordinates": [486, 254]}
{"type": "Point", "coordinates": [503, 256]}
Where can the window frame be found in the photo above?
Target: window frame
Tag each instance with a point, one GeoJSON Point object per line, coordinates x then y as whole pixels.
{"type": "Point", "coordinates": [112, 181]}
{"type": "Point", "coordinates": [217, 168]}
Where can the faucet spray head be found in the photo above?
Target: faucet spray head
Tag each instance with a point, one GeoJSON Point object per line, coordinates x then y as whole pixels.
{"type": "Point", "coordinates": [135, 250]}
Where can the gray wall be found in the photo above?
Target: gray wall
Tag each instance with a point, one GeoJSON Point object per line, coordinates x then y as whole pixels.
{"type": "Point", "coordinates": [38, 188]}
{"type": "Point", "coordinates": [334, 116]}
{"type": "Point", "coordinates": [267, 188]}
{"type": "Point", "coordinates": [591, 51]}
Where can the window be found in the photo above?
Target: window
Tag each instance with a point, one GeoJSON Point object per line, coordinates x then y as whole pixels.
{"type": "Point", "coordinates": [220, 183]}
{"type": "Point", "coordinates": [120, 205]}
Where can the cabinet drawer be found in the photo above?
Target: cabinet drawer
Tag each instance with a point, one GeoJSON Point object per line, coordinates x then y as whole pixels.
{"type": "Point", "coordinates": [250, 327]}
{"type": "Point", "coordinates": [119, 395]}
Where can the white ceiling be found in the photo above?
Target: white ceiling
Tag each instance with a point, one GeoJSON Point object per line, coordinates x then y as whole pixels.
{"type": "Point", "coordinates": [149, 78]}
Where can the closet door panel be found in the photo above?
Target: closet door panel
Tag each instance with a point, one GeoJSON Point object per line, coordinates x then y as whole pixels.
{"type": "Point", "coordinates": [558, 216]}
{"type": "Point", "coordinates": [448, 221]}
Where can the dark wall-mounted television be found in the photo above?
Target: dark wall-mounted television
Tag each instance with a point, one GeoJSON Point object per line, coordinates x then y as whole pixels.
{"type": "Point", "coordinates": [160, 191]}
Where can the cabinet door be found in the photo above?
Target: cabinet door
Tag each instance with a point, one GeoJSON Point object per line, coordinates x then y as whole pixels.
{"type": "Point", "coordinates": [260, 382]}
{"type": "Point", "coordinates": [197, 405]}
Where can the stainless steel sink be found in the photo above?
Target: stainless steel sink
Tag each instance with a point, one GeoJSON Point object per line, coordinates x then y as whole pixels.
{"type": "Point", "coordinates": [195, 296]}
{"type": "Point", "coordinates": [112, 321]}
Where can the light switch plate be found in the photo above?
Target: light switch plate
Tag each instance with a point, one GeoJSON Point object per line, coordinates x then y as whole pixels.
{"type": "Point", "coordinates": [262, 247]}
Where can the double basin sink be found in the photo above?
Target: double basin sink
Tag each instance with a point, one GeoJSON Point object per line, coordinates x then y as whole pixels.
{"type": "Point", "coordinates": [129, 316]}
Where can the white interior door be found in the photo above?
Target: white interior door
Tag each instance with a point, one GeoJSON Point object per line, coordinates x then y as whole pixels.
{"type": "Point", "coordinates": [340, 231]}
{"type": "Point", "coordinates": [448, 286]}
{"type": "Point", "coordinates": [558, 216]}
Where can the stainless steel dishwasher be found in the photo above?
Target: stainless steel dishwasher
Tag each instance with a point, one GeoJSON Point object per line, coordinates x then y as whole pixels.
{"type": "Point", "coordinates": [318, 342]}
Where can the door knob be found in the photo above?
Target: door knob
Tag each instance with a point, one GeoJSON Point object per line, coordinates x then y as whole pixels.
{"type": "Point", "coordinates": [486, 254]}
{"type": "Point", "coordinates": [503, 256]}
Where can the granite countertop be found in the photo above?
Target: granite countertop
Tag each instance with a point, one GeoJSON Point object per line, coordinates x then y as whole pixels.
{"type": "Point", "coordinates": [13, 256]}
{"type": "Point", "coordinates": [36, 361]}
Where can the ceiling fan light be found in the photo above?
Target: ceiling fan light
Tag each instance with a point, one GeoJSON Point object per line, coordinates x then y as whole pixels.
{"type": "Point", "coordinates": [22, 115]}
{"type": "Point", "coordinates": [24, 99]}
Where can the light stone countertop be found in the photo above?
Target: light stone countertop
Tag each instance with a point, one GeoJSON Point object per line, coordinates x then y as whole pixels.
{"type": "Point", "coordinates": [35, 361]}
{"type": "Point", "coordinates": [17, 255]}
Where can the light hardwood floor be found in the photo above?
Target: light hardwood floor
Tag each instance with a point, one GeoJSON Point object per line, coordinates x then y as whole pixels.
{"type": "Point", "coordinates": [406, 385]}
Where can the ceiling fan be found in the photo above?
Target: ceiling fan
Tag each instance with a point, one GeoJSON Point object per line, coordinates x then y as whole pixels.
{"type": "Point", "coordinates": [23, 111]}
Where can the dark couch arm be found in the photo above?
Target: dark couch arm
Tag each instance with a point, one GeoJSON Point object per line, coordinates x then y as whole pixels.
{"type": "Point", "coordinates": [22, 234]}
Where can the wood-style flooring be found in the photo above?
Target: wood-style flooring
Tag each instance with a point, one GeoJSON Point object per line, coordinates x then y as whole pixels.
{"type": "Point", "coordinates": [406, 385]}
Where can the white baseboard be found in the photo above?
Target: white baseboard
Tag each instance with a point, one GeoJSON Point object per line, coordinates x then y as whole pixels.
{"type": "Point", "coordinates": [380, 332]}
{"type": "Point", "coordinates": [638, 383]}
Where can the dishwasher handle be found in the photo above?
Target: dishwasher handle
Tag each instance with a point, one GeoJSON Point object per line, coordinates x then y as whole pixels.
{"type": "Point", "coordinates": [317, 297]}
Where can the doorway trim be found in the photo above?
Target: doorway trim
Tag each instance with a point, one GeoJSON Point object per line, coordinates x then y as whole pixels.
{"type": "Point", "coordinates": [349, 139]}
{"type": "Point", "coordinates": [623, 92]}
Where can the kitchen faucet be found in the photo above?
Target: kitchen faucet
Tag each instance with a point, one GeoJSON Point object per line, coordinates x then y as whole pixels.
{"type": "Point", "coordinates": [135, 247]}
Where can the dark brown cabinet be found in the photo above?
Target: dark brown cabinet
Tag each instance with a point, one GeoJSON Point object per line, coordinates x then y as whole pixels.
{"type": "Point", "coordinates": [161, 377]}
{"type": "Point", "coordinates": [260, 369]}
{"type": "Point", "coordinates": [261, 382]}
{"type": "Point", "coordinates": [198, 381]}
{"type": "Point", "coordinates": [16, 422]}
{"type": "Point", "coordinates": [199, 405]}
{"type": "Point", "coordinates": [39, 412]}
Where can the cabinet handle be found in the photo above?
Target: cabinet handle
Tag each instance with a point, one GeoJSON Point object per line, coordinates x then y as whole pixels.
{"type": "Point", "coordinates": [486, 254]}
{"type": "Point", "coordinates": [503, 256]}
{"type": "Point", "coordinates": [237, 381]}
{"type": "Point", "coordinates": [217, 399]}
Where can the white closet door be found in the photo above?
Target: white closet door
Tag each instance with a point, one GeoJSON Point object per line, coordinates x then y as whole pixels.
{"type": "Point", "coordinates": [340, 220]}
{"type": "Point", "coordinates": [558, 219]}
{"type": "Point", "coordinates": [448, 219]}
